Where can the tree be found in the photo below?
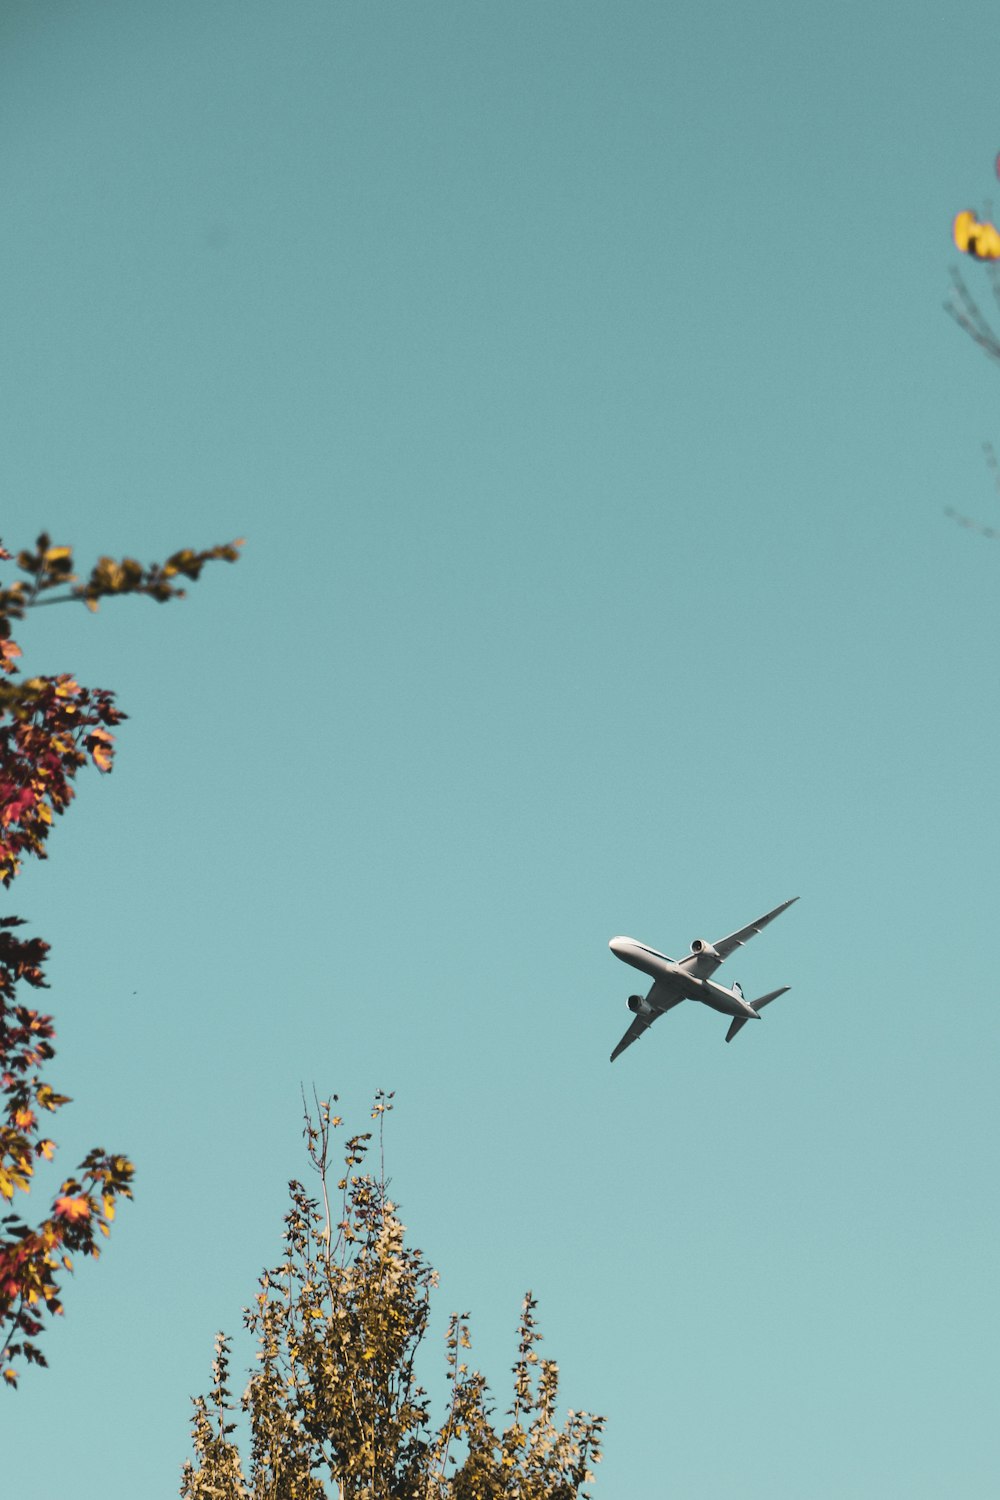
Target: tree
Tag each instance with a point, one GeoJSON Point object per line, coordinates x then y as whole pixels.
{"type": "Point", "coordinates": [50, 727]}
{"type": "Point", "coordinates": [338, 1324]}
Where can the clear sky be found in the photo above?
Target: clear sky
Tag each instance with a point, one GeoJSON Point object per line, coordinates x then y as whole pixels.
{"type": "Point", "coordinates": [578, 376]}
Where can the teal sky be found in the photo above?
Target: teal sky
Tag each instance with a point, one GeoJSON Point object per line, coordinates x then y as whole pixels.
{"type": "Point", "coordinates": [578, 376]}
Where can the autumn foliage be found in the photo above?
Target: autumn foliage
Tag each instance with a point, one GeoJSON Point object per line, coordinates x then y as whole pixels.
{"type": "Point", "coordinates": [982, 242]}
{"type": "Point", "coordinates": [335, 1407]}
{"type": "Point", "coordinates": [50, 727]}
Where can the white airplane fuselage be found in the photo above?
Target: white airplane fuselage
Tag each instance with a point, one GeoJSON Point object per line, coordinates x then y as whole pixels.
{"type": "Point", "coordinates": [678, 980]}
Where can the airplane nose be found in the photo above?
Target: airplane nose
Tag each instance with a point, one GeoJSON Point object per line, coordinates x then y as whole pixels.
{"type": "Point", "coordinates": [617, 946]}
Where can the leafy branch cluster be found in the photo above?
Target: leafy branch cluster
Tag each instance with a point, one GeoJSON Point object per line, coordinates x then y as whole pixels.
{"type": "Point", "coordinates": [966, 312]}
{"type": "Point", "coordinates": [50, 727]}
{"type": "Point", "coordinates": [335, 1398]}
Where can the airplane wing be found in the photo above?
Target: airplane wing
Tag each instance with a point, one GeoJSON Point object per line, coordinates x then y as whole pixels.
{"type": "Point", "coordinates": [659, 1000]}
{"type": "Point", "coordinates": [704, 964]}
{"type": "Point", "coordinates": [735, 940]}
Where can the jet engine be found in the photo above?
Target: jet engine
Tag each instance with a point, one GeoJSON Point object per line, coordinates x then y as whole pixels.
{"type": "Point", "coordinates": [637, 1003]}
{"type": "Point", "coordinates": [700, 946]}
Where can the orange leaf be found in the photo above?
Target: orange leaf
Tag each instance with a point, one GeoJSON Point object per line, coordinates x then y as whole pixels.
{"type": "Point", "coordinates": [99, 743]}
{"type": "Point", "coordinates": [73, 1208]}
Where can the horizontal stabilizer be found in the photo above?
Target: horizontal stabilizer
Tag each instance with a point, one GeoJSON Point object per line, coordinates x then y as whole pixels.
{"type": "Point", "coordinates": [758, 1006]}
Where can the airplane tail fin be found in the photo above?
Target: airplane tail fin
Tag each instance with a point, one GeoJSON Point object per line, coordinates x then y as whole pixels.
{"type": "Point", "coordinates": [758, 1006]}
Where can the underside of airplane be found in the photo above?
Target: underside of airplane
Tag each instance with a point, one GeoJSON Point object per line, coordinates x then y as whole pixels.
{"type": "Point", "coordinates": [690, 978]}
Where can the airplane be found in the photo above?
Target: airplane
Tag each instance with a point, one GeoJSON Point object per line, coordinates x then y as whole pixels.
{"type": "Point", "coordinates": [690, 979]}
